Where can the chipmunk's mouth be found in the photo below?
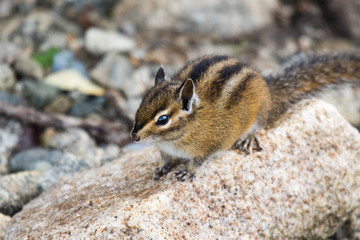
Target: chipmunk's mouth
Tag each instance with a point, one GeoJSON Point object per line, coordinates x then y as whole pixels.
{"type": "Point", "coordinates": [136, 138]}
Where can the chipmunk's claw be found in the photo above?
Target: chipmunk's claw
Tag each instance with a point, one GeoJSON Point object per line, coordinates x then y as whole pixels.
{"type": "Point", "coordinates": [248, 145]}
{"type": "Point", "coordinates": [183, 175]}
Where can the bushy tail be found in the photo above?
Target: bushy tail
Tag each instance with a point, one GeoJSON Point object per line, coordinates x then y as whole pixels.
{"type": "Point", "coordinates": [307, 75]}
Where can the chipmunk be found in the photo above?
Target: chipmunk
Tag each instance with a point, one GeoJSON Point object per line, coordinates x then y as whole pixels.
{"type": "Point", "coordinates": [217, 103]}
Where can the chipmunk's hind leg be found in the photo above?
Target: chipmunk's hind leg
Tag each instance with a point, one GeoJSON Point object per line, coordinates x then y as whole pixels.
{"type": "Point", "coordinates": [248, 144]}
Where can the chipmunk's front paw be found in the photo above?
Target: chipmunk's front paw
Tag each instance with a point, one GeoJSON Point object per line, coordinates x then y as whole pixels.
{"type": "Point", "coordinates": [183, 175]}
{"type": "Point", "coordinates": [247, 145]}
{"type": "Point", "coordinates": [162, 171]}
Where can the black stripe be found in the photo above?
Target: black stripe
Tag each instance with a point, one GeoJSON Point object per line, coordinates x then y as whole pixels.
{"type": "Point", "coordinates": [236, 94]}
{"type": "Point", "coordinates": [224, 75]}
{"type": "Point", "coordinates": [226, 72]}
{"type": "Point", "coordinates": [204, 64]}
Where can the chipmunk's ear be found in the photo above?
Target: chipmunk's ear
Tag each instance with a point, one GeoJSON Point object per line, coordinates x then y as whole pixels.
{"type": "Point", "coordinates": [160, 76]}
{"type": "Point", "coordinates": [187, 94]}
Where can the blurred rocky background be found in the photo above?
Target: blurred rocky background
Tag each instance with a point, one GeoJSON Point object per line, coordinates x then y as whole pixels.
{"type": "Point", "coordinates": [73, 72]}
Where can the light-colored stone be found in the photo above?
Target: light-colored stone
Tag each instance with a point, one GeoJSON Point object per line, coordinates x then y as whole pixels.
{"type": "Point", "coordinates": [28, 67]}
{"type": "Point", "coordinates": [302, 185]}
{"type": "Point", "coordinates": [209, 17]}
{"type": "Point", "coordinates": [72, 80]}
{"type": "Point", "coordinates": [4, 222]}
{"type": "Point", "coordinates": [99, 41]}
{"type": "Point", "coordinates": [7, 78]}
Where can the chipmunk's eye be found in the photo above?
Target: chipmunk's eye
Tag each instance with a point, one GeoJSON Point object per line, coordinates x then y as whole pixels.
{"type": "Point", "coordinates": [162, 120]}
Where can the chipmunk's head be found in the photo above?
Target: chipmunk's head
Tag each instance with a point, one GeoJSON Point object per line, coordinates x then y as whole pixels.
{"type": "Point", "coordinates": [164, 110]}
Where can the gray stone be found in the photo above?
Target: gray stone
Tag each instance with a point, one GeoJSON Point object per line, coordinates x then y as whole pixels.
{"type": "Point", "coordinates": [52, 164]}
{"type": "Point", "coordinates": [34, 159]}
{"type": "Point", "coordinates": [28, 67]}
{"type": "Point", "coordinates": [347, 102]}
{"type": "Point", "coordinates": [99, 41]}
{"type": "Point", "coordinates": [84, 106]}
{"type": "Point", "coordinates": [6, 7]}
{"type": "Point", "coordinates": [7, 78]}
{"type": "Point", "coordinates": [64, 168]}
{"type": "Point", "coordinates": [9, 98]}
{"type": "Point", "coordinates": [109, 153]}
{"type": "Point", "coordinates": [33, 28]}
{"type": "Point", "coordinates": [9, 52]}
{"type": "Point", "coordinates": [141, 80]}
{"type": "Point", "coordinates": [54, 40]}
{"type": "Point", "coordinates": [303, 185]}
{"type": "Point", "coordinates": [39, 94]}
{"type": "Point", "coordinates": [4, 222]}
{"type": "Point", "coordinates": [77, 142]}
{"type": "Point", "coordinates": [112, 71]}
{"type": "Point", "coordinates": [18, 189]}
{"type": "Point", "coordinates": [66, 60]}
{"type": "Point", "coordinates": [133, 104]}
{"type": "Point", "coordinates": [60, 104]}
{"type": "Point", "coordinates": [212, 18]}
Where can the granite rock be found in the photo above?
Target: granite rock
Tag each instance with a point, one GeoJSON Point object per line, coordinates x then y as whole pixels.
{"type": "Point", "coordinates": [4, 222]}
{"type": "Point", "coordinates": [303, 185]}
{"type": "Point", "coordinates": [16, 190]}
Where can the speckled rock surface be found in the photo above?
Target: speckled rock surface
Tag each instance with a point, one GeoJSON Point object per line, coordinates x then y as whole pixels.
{"type": "Point", "coordinates": [4, 222]}
{"type": "Point", "coordinates": [304, 184]}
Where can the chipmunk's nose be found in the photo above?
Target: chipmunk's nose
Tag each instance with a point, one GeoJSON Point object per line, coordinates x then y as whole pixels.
{"type": "Point", "coordinates": [134, 137]}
